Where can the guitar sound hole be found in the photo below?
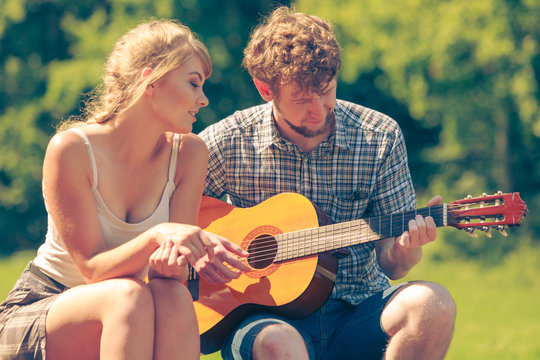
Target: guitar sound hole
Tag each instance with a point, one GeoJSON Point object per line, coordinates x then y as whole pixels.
{"type": "Point", "coordinates": [262, 251]}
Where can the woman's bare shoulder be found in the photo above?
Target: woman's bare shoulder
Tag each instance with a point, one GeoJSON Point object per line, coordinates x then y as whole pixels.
{"type": "Point", "coordinates": [66, 151]}
{"type": "Point", "coordinates": [192, 145]}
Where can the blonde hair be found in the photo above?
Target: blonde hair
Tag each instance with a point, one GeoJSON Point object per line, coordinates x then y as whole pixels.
{"type": "Point", "coordinates": [293, 48]}
{"type": "Point", "coordinates": [161, 45]}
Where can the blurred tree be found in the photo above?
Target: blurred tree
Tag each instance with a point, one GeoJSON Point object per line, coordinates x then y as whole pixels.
{"type": "Point", "coordinates": [467, 74]}
{"type": "Point", "coordinates": [461, 78]}
{"type": "Point", "coordinates": [52, 53]}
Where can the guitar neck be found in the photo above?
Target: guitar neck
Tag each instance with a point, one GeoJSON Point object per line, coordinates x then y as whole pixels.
{"type": "Point", "coordinates": [331, 237]}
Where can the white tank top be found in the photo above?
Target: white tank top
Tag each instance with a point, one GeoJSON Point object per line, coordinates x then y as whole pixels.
{"type": "Point", "coordinates": [52, 257]}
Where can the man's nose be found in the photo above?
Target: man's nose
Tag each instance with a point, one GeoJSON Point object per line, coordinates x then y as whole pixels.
{"type": "Point", "coordinates": [317, 108]}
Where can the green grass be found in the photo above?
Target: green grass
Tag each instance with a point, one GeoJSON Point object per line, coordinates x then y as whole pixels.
{"type": "Point", "coordinates": [498, 315]}
{"type": "Point", "coordinates": [498, 306]}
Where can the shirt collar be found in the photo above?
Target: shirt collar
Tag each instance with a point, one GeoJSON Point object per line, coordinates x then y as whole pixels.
{"type": "Point", "coordinates": [269, 133]}
{"type": "Point", "coordinates": [341, 137]}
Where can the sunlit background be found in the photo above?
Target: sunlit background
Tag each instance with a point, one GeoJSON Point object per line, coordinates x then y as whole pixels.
{"type": "Point", "coordinates": [461, 77]}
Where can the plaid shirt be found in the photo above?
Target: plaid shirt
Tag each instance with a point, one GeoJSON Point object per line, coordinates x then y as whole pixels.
{"type": "Point", "coordinates": [360, 170]}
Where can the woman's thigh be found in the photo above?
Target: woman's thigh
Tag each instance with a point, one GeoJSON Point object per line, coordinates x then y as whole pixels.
{"type": "Point", "coordinates": [76, 319]}
{"type": "Point", "coordinates": [22, 317]}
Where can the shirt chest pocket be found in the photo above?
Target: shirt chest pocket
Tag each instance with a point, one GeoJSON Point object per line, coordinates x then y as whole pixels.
{"type": "Point", "coordinates": [349, 205]}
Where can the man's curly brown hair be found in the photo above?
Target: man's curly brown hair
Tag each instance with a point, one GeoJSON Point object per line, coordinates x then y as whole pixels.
{"type": "Point", "coordinates": [293, 48]}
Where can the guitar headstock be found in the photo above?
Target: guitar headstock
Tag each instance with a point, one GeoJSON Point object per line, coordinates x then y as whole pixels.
{"type": "Point", "coordinates": [487, 212]}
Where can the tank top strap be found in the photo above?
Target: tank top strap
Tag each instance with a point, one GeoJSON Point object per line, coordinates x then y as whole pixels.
{"type": "Point", "coordinates": [174, 158]}
{"type": "Point", "coordinates": [90, 154]}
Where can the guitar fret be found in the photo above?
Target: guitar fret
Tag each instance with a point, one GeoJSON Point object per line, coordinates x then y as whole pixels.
{"type": "Point", "coordinates": [322, 236]}
{"type": "Point", "coordinates": [290, 250]}
{"type": "Point", "coordinates": [330, 237]}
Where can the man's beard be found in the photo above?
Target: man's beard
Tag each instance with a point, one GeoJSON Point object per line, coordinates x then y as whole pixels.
{"type": "Point", "coordinates": [329, 124]}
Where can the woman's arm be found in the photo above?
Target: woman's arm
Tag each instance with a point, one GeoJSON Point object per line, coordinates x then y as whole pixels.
{"type": "Point", "coordinates": [67, 176]}
{"type": "Point", "coordinates": [190, 174]}
{"type": "Point", "coordinates": [193, 156]}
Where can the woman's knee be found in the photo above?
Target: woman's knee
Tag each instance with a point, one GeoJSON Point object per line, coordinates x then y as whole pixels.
{"type": "Point", "coordinates": [170, 291]}
{"type": "Point", "coordinates": [127, 297]}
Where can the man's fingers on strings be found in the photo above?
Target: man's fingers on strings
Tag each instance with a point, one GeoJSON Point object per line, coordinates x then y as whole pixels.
{"type": "Point", "coordinates": [422, 234]}
{"type": "Point", "coordinates": [431, 228]}
{"type": "Point", "coordinates": [436, 200]}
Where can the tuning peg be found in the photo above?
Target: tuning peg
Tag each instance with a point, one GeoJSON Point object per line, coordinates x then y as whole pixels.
{"type": "Point", "coordinates": [499, 192]}
{"type": "Point", "coordinates": [485, 229]}
{"type": "Point", "coordinates": [501, 229]}
{"type": "Point", "coordinates": [470, 231]}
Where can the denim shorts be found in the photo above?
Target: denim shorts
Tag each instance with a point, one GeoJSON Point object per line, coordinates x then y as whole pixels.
{"type": "Point", "coordinates": [23, 315]}
{"type": "Point", "coordinates": [337, 330]}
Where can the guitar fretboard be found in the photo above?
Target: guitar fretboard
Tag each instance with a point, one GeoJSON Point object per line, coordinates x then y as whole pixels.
{"type": "Point", "coordinates": [313, 241]}
{"type": "Point", "coordinates": [325, 238]}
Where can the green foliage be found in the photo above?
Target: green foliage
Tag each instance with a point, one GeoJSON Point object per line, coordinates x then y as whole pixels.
{"type": "Point", "coordinates": [52, 54]}
{"type": "Point", "coordinates": [461, 78]}
{"type": "Point", "coordinates": [467, 74]}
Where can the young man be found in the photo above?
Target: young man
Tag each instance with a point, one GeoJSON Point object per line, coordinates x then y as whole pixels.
{"type": "Point", "coordinates": [351, 162]}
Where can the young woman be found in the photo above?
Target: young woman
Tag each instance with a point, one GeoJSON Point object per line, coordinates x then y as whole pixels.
{"type": "Point", "coordinates": [122, 191]}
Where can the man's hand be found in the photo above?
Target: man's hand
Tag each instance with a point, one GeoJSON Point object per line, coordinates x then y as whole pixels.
{"type": "Point", "coordinates": [421, 230]}
{"type": "Point", "coordinates": [398, 255]}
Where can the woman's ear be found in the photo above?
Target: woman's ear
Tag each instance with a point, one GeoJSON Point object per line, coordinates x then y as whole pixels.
{"type": "Point", "coordinates": [144, 74]}
{"type": "Point", "coordinates": [264, 89]}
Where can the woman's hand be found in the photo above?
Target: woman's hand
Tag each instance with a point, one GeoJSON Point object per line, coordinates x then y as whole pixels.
{"type": "Point", "coordinates": [178, 245]}
{"type": "Point", "coordinates": [214, 270]}
{"type": "Point", "coordinates": [190, 241]}
{"type": "Point", "coordinates": [167, 261]}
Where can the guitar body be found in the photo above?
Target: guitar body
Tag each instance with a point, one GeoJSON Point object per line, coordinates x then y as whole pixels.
{"type": "Point", "coordinates": [294, 288]}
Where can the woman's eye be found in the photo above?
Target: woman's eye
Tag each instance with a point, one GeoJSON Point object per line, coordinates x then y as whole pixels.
{"type": "Point", "coordinates": [195, 85]}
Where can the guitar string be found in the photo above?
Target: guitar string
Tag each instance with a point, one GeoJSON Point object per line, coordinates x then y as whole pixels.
{"type": "Point", "coordinates": [267, 246]}
{"type": "Point", "coordinates": [350, 234]}
{"type": "Point", "coordinates": [270, 254]}
{"type": "Point", "coordinates": [386, 220]}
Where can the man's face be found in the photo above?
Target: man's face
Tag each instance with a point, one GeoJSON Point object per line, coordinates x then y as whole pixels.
{"type": "Point", "coordinates": [308, 114]}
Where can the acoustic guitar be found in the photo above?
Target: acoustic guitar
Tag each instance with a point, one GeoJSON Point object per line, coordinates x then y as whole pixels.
{"type": "Point", "coordinates": [294, 252]}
